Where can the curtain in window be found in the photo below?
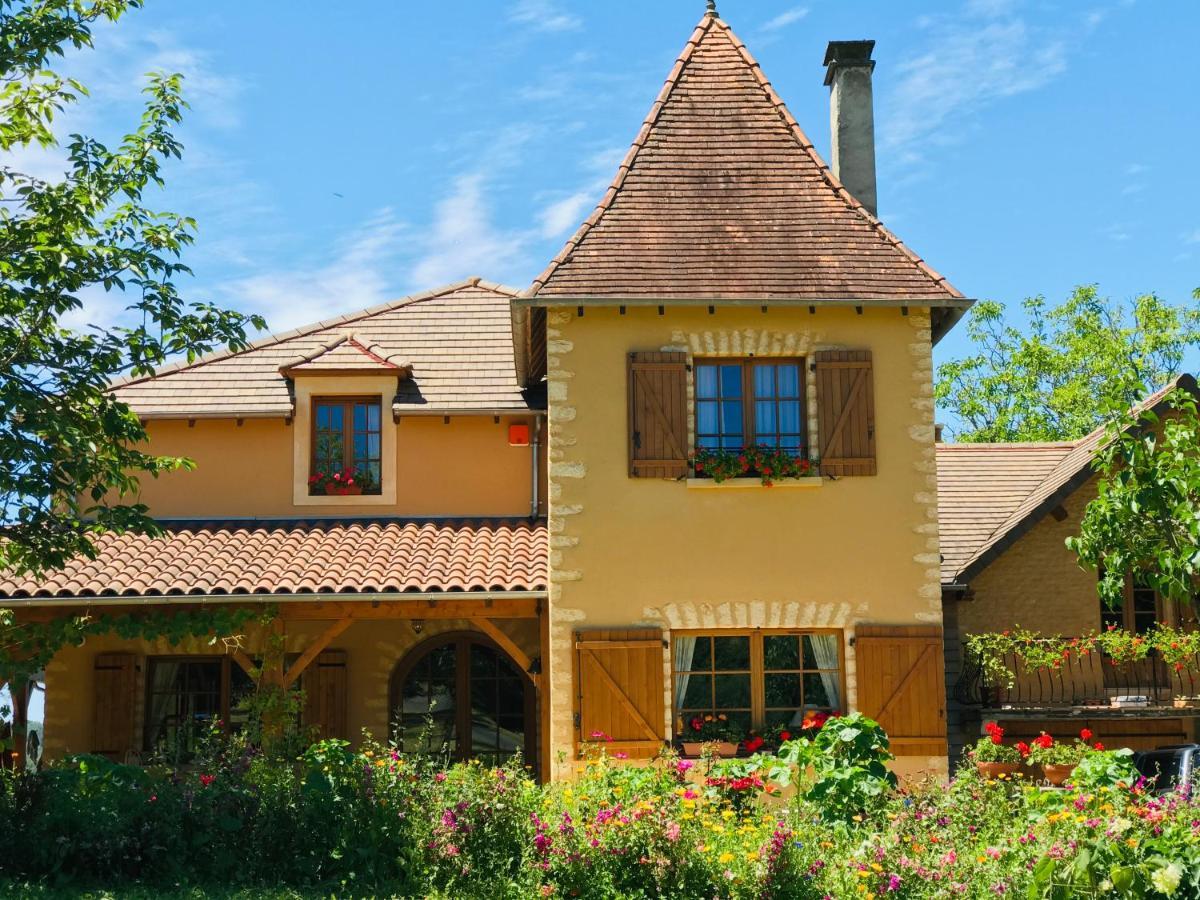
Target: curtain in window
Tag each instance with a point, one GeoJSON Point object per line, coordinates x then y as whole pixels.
{"type": "Point", "coordinates": [825, 655]}
{"type": "Point", "coordinates": [685, 649]}
{"type": "Point", "coordinates": [164, 697]}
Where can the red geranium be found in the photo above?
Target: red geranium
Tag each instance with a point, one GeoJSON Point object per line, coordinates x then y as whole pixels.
{"type": "Point", "coordinates": [1022, 748]}
{"type": "Point", "coordinates": [1044, 741]}
{"type": "Point", "coordinates": [1085, 734]}
{"type": "Point", "coordinates": [753, 743]}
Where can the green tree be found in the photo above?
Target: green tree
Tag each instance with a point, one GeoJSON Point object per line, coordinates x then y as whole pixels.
{"type": "Point", "coordinates": [1145, 520]}
{"type": "Point", "coordinates": [70, 453]}
{"type": "Point", "coordinates": [1068, 370]}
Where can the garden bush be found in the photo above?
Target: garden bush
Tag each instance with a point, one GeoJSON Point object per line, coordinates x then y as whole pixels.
{"type": "Point", "coordinates": [821, 818]}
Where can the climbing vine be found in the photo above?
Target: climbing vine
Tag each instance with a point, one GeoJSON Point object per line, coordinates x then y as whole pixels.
{"type": "Point", "coordinates": [27, 646]}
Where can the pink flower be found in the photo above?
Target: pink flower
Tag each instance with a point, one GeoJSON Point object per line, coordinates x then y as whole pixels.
{"type": "Point", "coordinates": [683, 766]}
{"type": "Point", "coordinates": [673, 831]}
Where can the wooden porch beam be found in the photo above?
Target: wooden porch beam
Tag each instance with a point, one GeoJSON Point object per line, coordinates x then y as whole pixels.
{"type": "Point", "coordinates": [243, 660]}
{"type": "Point", "coordinates": [507, 644]}
{"type": "Point", "coordinates": [319, 643]}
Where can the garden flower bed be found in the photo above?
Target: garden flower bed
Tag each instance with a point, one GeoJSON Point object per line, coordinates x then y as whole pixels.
{"type": "Point", "coordinates": [375, 823]}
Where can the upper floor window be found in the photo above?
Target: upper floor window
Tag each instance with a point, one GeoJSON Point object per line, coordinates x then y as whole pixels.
{"type": "Point", "coordinates": [742, 403]}
{"type": "Point", "coordinates": [1138, 613]}
{"type": "Point", "coordinates": [346, 446]}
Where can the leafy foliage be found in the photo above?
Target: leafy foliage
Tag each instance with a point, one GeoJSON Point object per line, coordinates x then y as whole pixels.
{"type": "Point", "coordinates": [1070, 369]}
{"type": "Point", "coordinates": [70, 453]}
{"type": "Point", "coordinates": [1145, 520]}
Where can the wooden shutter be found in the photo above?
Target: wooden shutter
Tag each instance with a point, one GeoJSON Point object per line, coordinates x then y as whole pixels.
{"type": "Point", "coordinates": [324, 685]}
{"type": "Point", "coordinates": [902, 685]}
{"type": "Point", "coordinates": [845, 412]}
{"type": "Point", "coordinates": [658, 433]}
{"type": "Point", "coordinates": [619, 689]}
{"type": "Point", "coordinates": [114, 684]}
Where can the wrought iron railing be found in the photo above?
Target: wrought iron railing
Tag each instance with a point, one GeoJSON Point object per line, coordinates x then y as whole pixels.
{"type": "Point", "coordinates": [1091, 681]}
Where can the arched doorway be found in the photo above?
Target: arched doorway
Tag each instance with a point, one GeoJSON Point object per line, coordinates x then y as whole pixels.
{"type": "Point", "coordinates": [459, 694]}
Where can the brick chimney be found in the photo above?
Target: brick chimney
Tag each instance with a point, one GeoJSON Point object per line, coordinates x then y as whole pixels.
{"type": "Point", "coordinates": [852, 118]}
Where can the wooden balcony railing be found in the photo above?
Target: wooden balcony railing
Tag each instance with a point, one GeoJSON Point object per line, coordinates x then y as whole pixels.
{"type": "Point", "coordinates": [1091, 682]}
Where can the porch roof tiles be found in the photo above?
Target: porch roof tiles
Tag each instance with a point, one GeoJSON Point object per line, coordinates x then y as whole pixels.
{"type": "Point", "coordinates": [304, 557]}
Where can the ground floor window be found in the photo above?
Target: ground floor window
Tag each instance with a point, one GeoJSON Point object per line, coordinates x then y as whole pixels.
{"type": "Point", "coordinates": [461, 697]}
{"type": "Point", "coordinates": [759, 679]}
{"type": "Point", "coordinates": [185, 696]}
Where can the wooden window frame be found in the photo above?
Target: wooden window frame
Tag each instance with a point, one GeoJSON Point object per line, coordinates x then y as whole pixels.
{"type": "Point", "coordinates": [226, 663]}
{"type": "Point", "coordinates": [749, 399]}
{"type": "Point", "coordinates": [347, 403]}
{"type": "Point", "coordinates": [757, 671]}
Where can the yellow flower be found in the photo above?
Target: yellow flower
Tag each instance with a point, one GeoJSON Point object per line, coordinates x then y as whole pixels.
{"type": "Point", "coordinates": [725, 857]}
{"type": "Point", "coordinates": [727, 814]}
{"type": "Point", "coordinates": [981, 859]}
{"type": "Point", "coordinates": [719, 829]}
{"type": "Point", "coordinates": [752, 855]}
{"type": "Point", "coordinates": [877, 867]}
{"type": "Point", "coordinates": [863, 873]}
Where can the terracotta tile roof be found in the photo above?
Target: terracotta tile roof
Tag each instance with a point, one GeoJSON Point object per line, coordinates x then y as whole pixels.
{"type": "Point", "coordinates": [723, 196]}
{"type": "Point", "coordinates": [303, 557]}
{"type": "Point", "coordinates": [991, 494]}
{"type": "Point", "coordinates": [457, 339]}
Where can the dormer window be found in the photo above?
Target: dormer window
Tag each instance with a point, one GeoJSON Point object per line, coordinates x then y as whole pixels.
{"type": "Point", "coordinates": [347, 455]}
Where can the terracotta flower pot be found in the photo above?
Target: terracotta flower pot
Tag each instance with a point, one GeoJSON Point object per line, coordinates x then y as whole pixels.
{"type": "Point", "coordinates": [343, 490]}
{"type": "Point", "coordinates": [996, 769]}
{"type": "Point", "coordinates": [1056, 775]}
{"type": "Point", "coordinates": [723, 749]}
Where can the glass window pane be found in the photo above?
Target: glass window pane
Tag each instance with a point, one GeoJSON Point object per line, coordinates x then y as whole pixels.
{"type": "Point", "coordinates": [789, 417]}
{"type": "Point", "coordinates": [706, 417]}
{"type": "Point", "coordinates": [764, 418]}
{"type": "Point", "coordinates": [764, 381]}
{"type": "Point", "coordinates": [731, 380]}
{"type": "Point", "coordinates": [373, 446]}
{"type": "Point", "coordinates": [373, 416]}
{"type": "Point", "coordinates": [731, 417]}
{"type": "Point", "coordinates": [821, 651]}
{"type": "Point", "coordinates": [706, 381]}
{"type": "Point", "coordinates": [788, 379]}
{"type": "Point", "coordinates": [335, 417]}
{"type": "Point", "coordinates": [791, 441]}
{"type": "Point", "coordinates": [697, 693]}
{"type": "Point", "coordinates": [322, 416]}
{"type": "Point", "coordinates": [781, 651]}
{"type": "Point", "coordinates": [782, 691]}
{"type": "Point", "coordinates": [731, 653]}
{"type": "Point", "coordinates": [709, 443]}
{"type": "Point", "coordinates": [360, 446]}
{"type": "Point", "coordinates": [732, 691]}
{"type": "Point", "coordinates": [816, 692]}
{"type": "Point", "coordinates": [702, 655]}
{"type": "Point", "coordinates": [360, 417]}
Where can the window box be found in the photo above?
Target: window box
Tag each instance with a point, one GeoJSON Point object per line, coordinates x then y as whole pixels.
{"type": "Point", "coordinates": [723, 749]}
{"type": "Point", "coordinates": [343, 490]}
{"type": "Point", "coordinates": [808, 481]}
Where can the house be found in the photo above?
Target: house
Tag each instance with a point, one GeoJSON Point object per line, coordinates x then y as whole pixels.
{"type": "Point", "coordinates": [528, 557]}
{"type": "Point", "coordinates": [1005, 511]}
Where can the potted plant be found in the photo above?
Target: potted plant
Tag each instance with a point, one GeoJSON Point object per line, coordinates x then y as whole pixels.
{"type": "Point", "coordinates": [343, 483]}
{"type": "Point", "coordinates": [993, 758]}
{"type": "Point", "coordinates": [709, 729]}
{"type": "Point", "coordinates": [768, 463]}
{"type": "Point", "coordinates": [1058, 759]}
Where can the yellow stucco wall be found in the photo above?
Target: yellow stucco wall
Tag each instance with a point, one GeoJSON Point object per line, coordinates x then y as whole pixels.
{"type": "Point", "coordinates": [631, 551]}
{"type": "Point", "coordinates": [373, 647]}
{"type": "Point", "coordinates": [463, 468]}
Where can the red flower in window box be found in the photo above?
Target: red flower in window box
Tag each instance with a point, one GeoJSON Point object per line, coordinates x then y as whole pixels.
{"type": "Point", "coordinates": [349, 482]}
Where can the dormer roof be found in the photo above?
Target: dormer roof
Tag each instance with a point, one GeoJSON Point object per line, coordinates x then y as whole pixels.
{"type": "Point", "coordinates": [722, 196]}
{"type": "Point", "coordinates": [347, 355]}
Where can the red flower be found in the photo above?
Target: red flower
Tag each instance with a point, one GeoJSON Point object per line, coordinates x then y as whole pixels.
{"type": "Point", "coordinates": [1044, 741]}
{"type": "Point", "coordinates": [206, 780]}
{"type": "Point", "coordinates": [1085, 734]}
{"type": "Point", "coordinates": [1097, 746]}
{"type": "Point", "coordinates": [997, 737]}
{"type": "Point", "coordinates": [752, 744]}
{"type": "Point", "coordinates": [785, 735]}
{"type": "Point", "coordinates": [1023, 749]}
{"type": "Point", "coordinates": [697, 723]}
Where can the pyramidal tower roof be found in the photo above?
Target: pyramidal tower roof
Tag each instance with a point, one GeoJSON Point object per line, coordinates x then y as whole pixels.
{"type": "Point", "coordinates": [722, 196]}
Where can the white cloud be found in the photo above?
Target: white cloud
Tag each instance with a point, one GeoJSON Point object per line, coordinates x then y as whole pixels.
{"type": "Point", "coordinates": [566, 214]}
{"type": "Point", "coordinates": [354, 279]}
{"type": "Point", "coordinates": [1192, 237]}
{"type": "Point", "coordinates": [463, 241]}
{"type": "Point", "coordinates": [784, 19]}
{"type": "Point", "coordinates": [543, 15]}
{"type": "Point", "coordinates": [1117, 232]}
{"type": "Point", "coordinates": [969, 65]}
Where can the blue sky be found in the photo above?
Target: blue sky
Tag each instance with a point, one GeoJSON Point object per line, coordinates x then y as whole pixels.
{"type": "Point", "coordinates": [342, 154]}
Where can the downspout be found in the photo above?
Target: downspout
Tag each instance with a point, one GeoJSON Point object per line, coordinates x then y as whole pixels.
{"type": "Point", "coordinates": [533, 467]}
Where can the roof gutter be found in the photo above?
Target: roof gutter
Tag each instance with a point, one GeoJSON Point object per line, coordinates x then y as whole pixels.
{"type": "Point", "coordinates": [215, 599]}
{"type": "Point", "coordinates": [558, 300]}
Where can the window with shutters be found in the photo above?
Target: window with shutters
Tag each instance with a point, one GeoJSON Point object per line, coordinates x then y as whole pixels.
{"type": "Point", "coordinates": [186, 696]}
{"type": "Point", "coordinates": [760, 680]}
{"type": "Point", "coordinates": [746, 402]}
